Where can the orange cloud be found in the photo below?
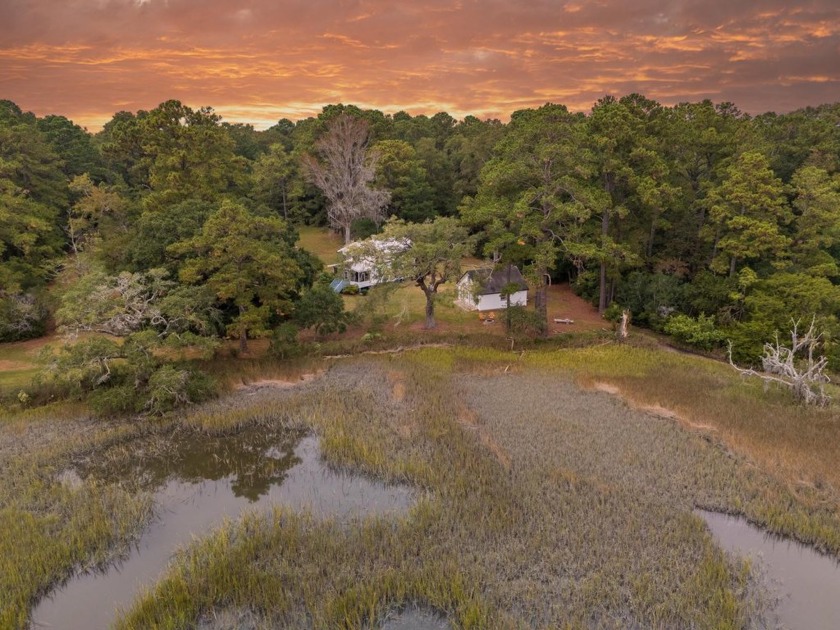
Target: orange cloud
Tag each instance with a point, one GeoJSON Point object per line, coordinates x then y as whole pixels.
{"type": "Point", "coordinates": [261, 60]}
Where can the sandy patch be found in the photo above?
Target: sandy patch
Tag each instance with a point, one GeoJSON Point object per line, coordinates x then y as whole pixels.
{"type": "Point", "coordinates": [606, 388]}
{"type": "Point", "coordinates": [277, 383]}
{"type": "Point", "coordinates": [654, 410]}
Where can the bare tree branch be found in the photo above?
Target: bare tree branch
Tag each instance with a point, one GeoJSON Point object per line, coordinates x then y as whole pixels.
{"type": "Point", "coordinates": [780, 364]}
{"type": "Point", "coordinates": [344, 174]}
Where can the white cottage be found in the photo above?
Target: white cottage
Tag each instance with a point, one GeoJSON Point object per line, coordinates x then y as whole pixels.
{"type": "Point", "coordinates": [364, 267]}
{"type": "Point", "coordinates": [481, 289]}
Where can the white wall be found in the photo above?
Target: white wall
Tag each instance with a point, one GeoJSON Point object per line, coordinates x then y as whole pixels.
{"type": "Point", "coordinates": [495, 302]}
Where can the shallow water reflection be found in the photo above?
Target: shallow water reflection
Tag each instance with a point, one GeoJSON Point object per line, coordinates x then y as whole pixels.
{"type": "Point", "coordinates": [808, 583]}
{"type": "Point", "coordinates": [206, 481]}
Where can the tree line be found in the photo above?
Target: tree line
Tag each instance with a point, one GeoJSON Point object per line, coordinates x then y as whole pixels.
{"type": "Point", "coordinates": [704, 222]}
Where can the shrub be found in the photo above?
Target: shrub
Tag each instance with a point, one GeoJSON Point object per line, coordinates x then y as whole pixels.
{"type": "Point", "coordinates": [321, 308]}
{"type": "Point", "coordinates": [284, 341]}
{"type": "Point", "coordinates": [525, 322]}
{"type": "Point", "coordinates": [700, 332]}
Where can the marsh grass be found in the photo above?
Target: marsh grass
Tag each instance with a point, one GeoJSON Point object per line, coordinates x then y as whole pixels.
{"type": "Point", "coordinates": [546, 543]}
{"type": "Point", "coordinates": [796, 444]}
{"type": "Point", "coordinates": [585, 522]}
{"type": "Point", "coordinates": [52, 528]}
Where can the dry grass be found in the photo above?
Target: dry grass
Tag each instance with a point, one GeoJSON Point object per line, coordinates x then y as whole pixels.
{"type": "Point", "coordinates": [798, 445]}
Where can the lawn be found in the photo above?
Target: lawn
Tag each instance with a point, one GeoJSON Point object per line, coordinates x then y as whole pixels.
{"type": "Point", "coordinates": [558, 489]}
{"type": "Point", "coordinates": [322, 242]}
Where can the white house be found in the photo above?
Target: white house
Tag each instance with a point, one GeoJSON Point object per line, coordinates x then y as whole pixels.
{"type": "Point", "coordinates": [367, 263]}
{"type": "Point", "coordinates": [481, 289]}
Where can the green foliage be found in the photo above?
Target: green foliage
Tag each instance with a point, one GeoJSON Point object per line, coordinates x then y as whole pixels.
{"type": "Point", "coordinates": [22, 316]}
{"type": "Point", "coordinates": [651, 297]}
{"type": "Point", "coordinates": [321, 308]}
{"type": "Point", "coordinates": [428, 254]}
{"type": "Point", "coordinates": [700, 332]}
{"type": "Point", "coordinates": [247, 261]}
{"type": "Point", "coordinates": [747, 212]}
{"type": "Point", "coordinates": [118, 378]}
{"type": "Point", "coordinates": [130, 302]}
{"type": "Point", "coordinates": [284, 341]}
{"type": "Point", "coordinates": [400, 171]}
{"type": "Point", "coordinates": [613, 312]}
{"type": "Point", "coordinates": [773, 304]}
{"type": "Point", "coordinates": [524, 322]}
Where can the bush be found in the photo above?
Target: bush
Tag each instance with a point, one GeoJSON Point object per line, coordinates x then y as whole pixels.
{"type": "Point", "coordinates": [321, 308]}
{"type": "Point", "coordinates": [700, 332]}
{"type": "Point", "coordinates": [123, 378]}
{"type": "Point", "coordinates": [170, 387]}
{"type": "Point", "coordinates": [350, 289]}
{"type": "Point", "coordinates": [650, 297]}
{"type": "Point", "coordinates": [525, 322]}
{"type": "Point", "coordinates": [284, 341]}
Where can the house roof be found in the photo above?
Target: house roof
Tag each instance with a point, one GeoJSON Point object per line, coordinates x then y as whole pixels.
{"type": "Point", "coordinates": [493, 281]}
{"type": "Point", "coordinates": [359, 257]}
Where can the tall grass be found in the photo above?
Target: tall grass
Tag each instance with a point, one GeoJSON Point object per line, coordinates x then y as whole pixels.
{"type": "Point", "coordinates": [542, 504]}
{"type": "Point", "coordinates": [540, 544]}
{"type": "Point", "coordinates": [50, 527]}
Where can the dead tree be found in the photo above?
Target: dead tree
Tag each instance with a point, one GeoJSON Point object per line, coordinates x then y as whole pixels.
{"type": "Point", "coordinates": [622, 331]}
{"type": "Point", "coordinates": [345, 172]}
{"type": "Point", "coordinates": [803, 376]}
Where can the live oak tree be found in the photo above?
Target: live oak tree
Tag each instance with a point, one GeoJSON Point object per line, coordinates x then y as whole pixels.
{"type": "Point", "coordinates": [247, 261]}
{"type": "Point", "coordinates": [427, 254]}
{"type": "Point", "coordinates": [344, 171]}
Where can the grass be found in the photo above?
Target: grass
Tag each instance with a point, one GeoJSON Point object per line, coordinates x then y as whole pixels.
{"type": "Point", "coordinates": [51, 526]}
{"type": "Point", "coordinates": [18, 365]}
{"type": "Point", "coordinates": [547, 503]}
{"type": "Point", "coordinates": [321, 242]}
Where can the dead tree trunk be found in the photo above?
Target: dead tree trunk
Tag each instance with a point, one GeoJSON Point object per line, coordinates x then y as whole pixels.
{"type": "Point", "coordinates": [803, 376]}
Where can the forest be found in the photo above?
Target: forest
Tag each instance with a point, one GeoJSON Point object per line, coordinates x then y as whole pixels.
{"type": "Point", "coordinates": [171, 227]}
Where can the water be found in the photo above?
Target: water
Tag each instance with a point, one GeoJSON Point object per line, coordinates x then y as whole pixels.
{"type": "Point", "coordinates": [197, 483]}
{"type": "Point", "coordinates": [416, 619]}
{"type": "Point", "coordinates": [808, 583]}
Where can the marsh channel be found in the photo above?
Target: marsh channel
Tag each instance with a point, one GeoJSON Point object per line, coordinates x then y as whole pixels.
{"type": "Point", "coordinates": [806, 583]}
{"type": "Point", "coordinates": [198, 482]}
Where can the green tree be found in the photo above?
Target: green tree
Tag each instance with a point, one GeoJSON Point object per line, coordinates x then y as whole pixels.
{"type": "Point", "coordinates": [400, 171]}
{"type": "Point", "coordinates": [536, 195]}
{"type": "Point", "coordinates": [95, 204]}
{"type": "Point", "coordinates": [613, 132]}
{"type": "Point", "coordinates": [816, 203]}
{"type": "Point", "coordinates": [428, 254]}
{"type": "Point", "coordinates": [277, 181]}
{"type": "Point", "coordinates": [747, 211]}
{"type": "Point", "coordinates": [321, 308]}
{"type": "Point", "coordinates": [247, 262]}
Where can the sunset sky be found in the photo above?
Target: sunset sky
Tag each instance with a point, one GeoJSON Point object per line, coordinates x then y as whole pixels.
{"type": "Point", "coordinates": [260, 60]}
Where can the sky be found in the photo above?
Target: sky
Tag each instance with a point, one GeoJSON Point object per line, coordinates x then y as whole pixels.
{"type": "Point", "coordinates": [257, 61]}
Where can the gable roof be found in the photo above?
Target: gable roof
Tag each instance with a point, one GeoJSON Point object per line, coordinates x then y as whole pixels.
{"type": "Point", "coordinates": [493, 281]}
